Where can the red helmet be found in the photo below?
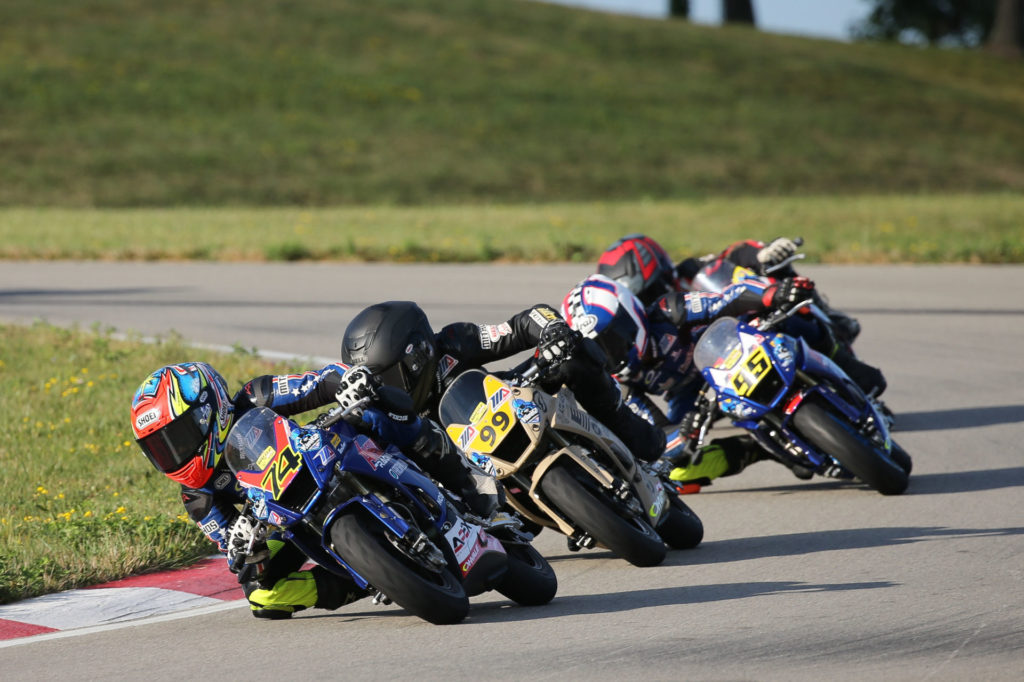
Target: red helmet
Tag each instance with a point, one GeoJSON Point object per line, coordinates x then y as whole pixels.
{"type": "Point", "coordinates": [641, 265]}
{"type": "Point", "coordinates": [180, 416]}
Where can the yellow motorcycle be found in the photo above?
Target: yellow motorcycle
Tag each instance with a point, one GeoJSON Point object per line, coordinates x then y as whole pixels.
{"type": "Point", "coordinates": [563, 469]}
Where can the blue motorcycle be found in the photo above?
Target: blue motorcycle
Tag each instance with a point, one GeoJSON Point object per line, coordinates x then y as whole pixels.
{"type": "Point", "coordinates": [796, 403]}
{"type": "Point", "coordinates": [359, 509]}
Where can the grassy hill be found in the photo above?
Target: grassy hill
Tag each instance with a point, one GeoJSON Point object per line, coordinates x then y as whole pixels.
{"type": "Point", "coordinates": [117, 103]}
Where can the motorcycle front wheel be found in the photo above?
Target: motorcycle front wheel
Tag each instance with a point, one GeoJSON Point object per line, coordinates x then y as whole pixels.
{"type": "Point", "coordinates": [681, 528]}
{"type": "Point", "coordinates": [530, 580]}
{"type": "Point", "coordinates": [833, 435]}
{"type": "Point", "coordinates": [632, 539]}
{"type": "Point", "coordinates": [436, 597]}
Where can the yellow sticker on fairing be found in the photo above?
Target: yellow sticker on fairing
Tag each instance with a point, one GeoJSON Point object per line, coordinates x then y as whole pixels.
{"type": "Point", "coordinates": [490, 422]}
{"type": "Point", "coordinates": [749, 375]}
{"type": "Point", "coordinates": [265, 457]}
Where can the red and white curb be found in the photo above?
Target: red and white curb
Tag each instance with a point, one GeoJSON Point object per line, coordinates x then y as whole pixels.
{"type": "Point", "coordinates": [201, 586]}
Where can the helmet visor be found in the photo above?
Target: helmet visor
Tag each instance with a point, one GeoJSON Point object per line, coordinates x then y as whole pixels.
{"type": "Point", "coordinates": [617, 339]}
{"type": "Point", "coordinates": [173, 446]}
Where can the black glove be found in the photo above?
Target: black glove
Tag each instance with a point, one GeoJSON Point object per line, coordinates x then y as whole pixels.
{"type": "Point", "coordinates": [690, 424]}
{"type": "Point", "coordinates": [357, 383]}
{"type": "Point", "coordinates": [786, 292]}
{"type": "Point", "coordinates": [558, 341]}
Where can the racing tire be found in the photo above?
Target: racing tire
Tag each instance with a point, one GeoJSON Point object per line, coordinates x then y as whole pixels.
{"type": "Point", "coordinates": [529, 580]}
{"type": "Point", "coordinates": [832, 435]}
{"type": "Point", "coordinates": [632, 539]}
{"type": "Point", "coordinates": [900, 456]}
{"type": "Point", "coordinates": [681, 528]}
{"type": "Point", "coordinates": [435, 597]}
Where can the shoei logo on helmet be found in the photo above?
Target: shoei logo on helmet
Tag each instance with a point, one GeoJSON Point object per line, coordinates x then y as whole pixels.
{"type": "Point", "coordinates": [147, 418]}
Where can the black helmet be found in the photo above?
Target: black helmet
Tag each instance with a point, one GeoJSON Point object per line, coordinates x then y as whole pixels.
{"type": "Point", "coordinates": [395, 341]}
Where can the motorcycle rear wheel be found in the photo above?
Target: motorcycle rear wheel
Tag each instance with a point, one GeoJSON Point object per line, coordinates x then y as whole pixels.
{"type": "Point", "coordinates": [435, 597]}
{"type": "Point", "coordinates": [530, 580]}
{"type": "Point", "coordinates": [632, 539]}
{"type": "Point", "coordinates": [681, 528]}
{"type": "Point", "coordinates": [832, 435]}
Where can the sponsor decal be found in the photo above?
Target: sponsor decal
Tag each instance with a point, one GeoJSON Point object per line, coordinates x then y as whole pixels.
{"type": "Point", "coordinates": [398, 468]}
{"type": "Point", "coordinates": [666, 342]}
{"type": "Point", "coordinates": [259, 507]}
{"type": "Point", "coordinates": [252, 436]}
{"type": "Point", "coordinates": [223, 481]}
{"type": "Point", "coordinates": [543, 316]}
{"type": "Point", "coordinates": [277, 519]}
{"type": "Point", "coordinates": [496, 331]}
{"type": "Point", "coordinates": [485, 338]}
{"type": "Point", "coordinates": [527, 412]}
{"type": "Point", "coordinates": [694, 304]}
{"type": "Point", "coordinates": [147, 418]}
{"type": "Point", "coordinates": [499, 397]}
{"type": "Point", "coordinates": [310, 440]}
{"type": "Point", "coordinates": [373, 455]}
{"type": "Point", "coordinates": [482, 461]}
{"type": "Point", "coordinates": [479, 412]}
{"type": "Point", "coordinates": [323, 455]}
{"type": "Point", "coordinates": [466, 437]}
{"type": "Point", "coordinates": [446, 364]}
{"type": "Point", "coordinates": [281, 385]}
{"type": "Point", "coordinates": [211, 527]}
{"type": "Point", "coordinates": [265, 457]}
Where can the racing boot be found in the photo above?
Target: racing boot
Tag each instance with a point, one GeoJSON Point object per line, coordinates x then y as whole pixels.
{"type": "Point", "coordinates": [721, 457]}
{"type": "Point", "coordinates": [301, 590]}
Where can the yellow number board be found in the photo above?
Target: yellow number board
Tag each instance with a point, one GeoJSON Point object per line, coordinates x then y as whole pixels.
{"type": "Point", "coordinates": [491, 421]}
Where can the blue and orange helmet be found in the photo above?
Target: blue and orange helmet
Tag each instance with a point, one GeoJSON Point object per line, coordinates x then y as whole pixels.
{"type": "Point", "coordinates": [180, 416]}
{"type": "Point", "coordinates": [606, 311]}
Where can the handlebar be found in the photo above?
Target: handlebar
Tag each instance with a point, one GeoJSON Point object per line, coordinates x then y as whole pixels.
{"type": "Point", "coordinates": [336, 414]}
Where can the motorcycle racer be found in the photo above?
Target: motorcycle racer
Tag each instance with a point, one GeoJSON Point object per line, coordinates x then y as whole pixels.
{"type": "Point", "coordinates": [769, 259]}
{"type": "Point", "coordinates": [640, 264]}
{"type": "Point", "coordinates": [396, 341]}
{"type": "Point", "coordinates": [651, 350]}
{"type": "Point", "coordinates": [181, 416]}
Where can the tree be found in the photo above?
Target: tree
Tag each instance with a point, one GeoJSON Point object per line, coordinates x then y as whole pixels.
{"type": "Point", "coordinates": [679, 9]}
{"type": "Point", "coordinates": [963, 23]}
{"type": "Point", "coordinates": [1007, 35]}
{"type": "Point", "coordinates": [738, 12]}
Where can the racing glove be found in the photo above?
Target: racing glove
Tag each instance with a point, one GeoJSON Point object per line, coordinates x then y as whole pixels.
{"type": "Point", "coordinates": [357, 383]}
{"type": "Point", "coordinates": [558, 341]}
{"type": "Point", "coordinates": [240, 535]}
{"type": "Point", "coordinates": [775, 252]}
{"type": "Point", "coordinates": [786, 292]}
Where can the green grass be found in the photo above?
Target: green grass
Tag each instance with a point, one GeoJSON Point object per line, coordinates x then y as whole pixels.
{"type": "Point", "coordinates": [875, 229]}
{"type": "Point", "coordinates": [128, 103]}
{"type": "Point", "coordinates": [79, 504]}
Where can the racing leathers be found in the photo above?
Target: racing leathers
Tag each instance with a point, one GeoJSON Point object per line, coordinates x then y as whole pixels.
{"type": "Point", "coordinates": [465, 345]}
{"type": "Point", "coordinates": [675, 322]}
{"type": "Point", "coordinates": [750, 254]}
{"type": "Point", "coordinates": [279, 588]}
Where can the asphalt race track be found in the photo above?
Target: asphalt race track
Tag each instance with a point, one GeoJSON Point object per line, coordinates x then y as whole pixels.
{"type": "Point", "coordinates": [794, 580]}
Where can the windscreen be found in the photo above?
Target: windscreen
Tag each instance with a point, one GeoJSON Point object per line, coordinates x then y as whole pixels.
{"type": "Point", "coordinates": [250, 439]}
{"type": "Point", "coordinates": [462, 398]}
{"type": "Point", "coordinates": [718, 345]}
